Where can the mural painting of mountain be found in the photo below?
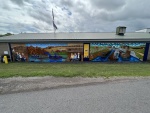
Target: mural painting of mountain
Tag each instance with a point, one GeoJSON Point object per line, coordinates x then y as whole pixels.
{"type": "Point", "coordinates": [58, 52]}
{"type": "Point", "coordinates": [47, 52]}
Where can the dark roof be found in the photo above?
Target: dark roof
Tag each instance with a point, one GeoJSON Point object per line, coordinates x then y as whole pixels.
{"type": "Point", "coordinates": [76, 37]}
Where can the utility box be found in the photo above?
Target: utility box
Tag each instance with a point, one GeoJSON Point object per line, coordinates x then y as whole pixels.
{"type": "Point", "coordinates": [120, 30]}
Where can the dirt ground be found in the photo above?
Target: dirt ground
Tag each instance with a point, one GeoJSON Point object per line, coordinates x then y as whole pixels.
{"type": "Point", "coordinates": [20, 84]}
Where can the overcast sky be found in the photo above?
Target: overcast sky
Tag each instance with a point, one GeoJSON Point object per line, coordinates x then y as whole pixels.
{"type": "Point", "coordinates": [28, 16]}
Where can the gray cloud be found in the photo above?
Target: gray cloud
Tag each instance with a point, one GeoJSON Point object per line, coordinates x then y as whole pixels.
{"type": "Point", "coordinates": [41, 15]}
{"type": "Point", "coordinates": [73, 15]}
{"type": "Point", "coordinates": [108, 4]}
{"type": "Point", "coordinates": [5, 7]}
{"type": "Point", "coordinates": [19, 2]}
{"type": "Point", "coordinates": [127, 12]}
{"type": "Point", "coordinates": [67, 3]}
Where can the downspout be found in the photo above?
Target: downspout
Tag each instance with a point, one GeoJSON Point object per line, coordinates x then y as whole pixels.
{"type": "Point", "coordinates": [10, 51]}
{"type": "Point", "coordinates": [146, 51]}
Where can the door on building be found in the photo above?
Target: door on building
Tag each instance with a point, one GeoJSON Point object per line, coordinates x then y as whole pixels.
{"type": "Point", "coordinates": [86, 52]}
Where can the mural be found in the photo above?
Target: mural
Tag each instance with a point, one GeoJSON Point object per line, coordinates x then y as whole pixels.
{"type": "Point", "coordinates": [19, 52]}
{"type": "Point", "coordinates": [61, 52]}
{"type": "Point", "coordinates": [54, 52]}
{"type": "Point", "coordinates": [103, 52]}
{"type": "Point", "coordinates": [47, 52]}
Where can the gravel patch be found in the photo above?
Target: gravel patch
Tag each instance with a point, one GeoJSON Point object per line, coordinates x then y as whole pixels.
{"type": "Point", "coordinates": [20, 84]}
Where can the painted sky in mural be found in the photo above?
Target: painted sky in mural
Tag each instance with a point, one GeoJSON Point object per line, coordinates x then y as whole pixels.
{"type": "Point", "coordinates": [46, 45]}
{"type": "Point", "coordinates": [118, 44]}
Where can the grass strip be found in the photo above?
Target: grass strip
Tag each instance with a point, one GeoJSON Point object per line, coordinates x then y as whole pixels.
{"type": "Point", "coordinates": [74, 69]}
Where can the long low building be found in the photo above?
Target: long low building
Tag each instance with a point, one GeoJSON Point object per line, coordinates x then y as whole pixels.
{"type": "Point", "coordinates": [66, 47]}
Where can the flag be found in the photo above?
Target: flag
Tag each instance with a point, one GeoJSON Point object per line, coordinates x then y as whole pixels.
{"type": "Point", "coordinates": [54, 25]}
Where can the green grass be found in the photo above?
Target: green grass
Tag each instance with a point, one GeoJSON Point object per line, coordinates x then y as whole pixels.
{"type": "Point", "coordinates": [74, 69]}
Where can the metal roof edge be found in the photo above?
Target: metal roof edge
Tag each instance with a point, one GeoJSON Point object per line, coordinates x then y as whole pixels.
{"type": "Point", "coordinates": [74, 40]}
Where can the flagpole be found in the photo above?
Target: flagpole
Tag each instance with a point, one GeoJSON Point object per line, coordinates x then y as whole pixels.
{"type": "Point", "coordinates": [54, 29]}
{"type": "Point", "coordinates": [54, 26]}
{"type": "Point", "coordinates": [53, 21]}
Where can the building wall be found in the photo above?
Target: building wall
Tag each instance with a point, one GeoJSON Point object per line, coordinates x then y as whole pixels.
{"type": "Point", "coordinates": [96, 52]}
{"type": "Point", "coordinates": [4, 47]}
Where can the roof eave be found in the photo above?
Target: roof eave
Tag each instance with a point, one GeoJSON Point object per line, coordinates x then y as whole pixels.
{"type": "Point", "coordinates": [74, 40]}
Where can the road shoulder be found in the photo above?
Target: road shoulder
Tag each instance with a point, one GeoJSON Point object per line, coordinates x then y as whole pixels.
{"type": "Point", "coordinates": [20, 84]}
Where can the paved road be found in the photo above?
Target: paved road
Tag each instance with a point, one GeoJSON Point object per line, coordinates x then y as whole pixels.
{"type": "Point", "coordinates": [127, 96]}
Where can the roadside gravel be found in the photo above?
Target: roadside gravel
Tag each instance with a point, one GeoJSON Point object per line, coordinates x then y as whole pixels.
{"type": "Point", "coordinates": [20, 84]}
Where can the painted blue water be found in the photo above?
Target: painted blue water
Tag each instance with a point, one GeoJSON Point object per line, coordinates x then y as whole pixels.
{"type": "Point", "coordinates": [131, 59]}
{"type": "Point", "coordinates": [103, 59]}
{"type": "Point", "coordinates": [36, 59]}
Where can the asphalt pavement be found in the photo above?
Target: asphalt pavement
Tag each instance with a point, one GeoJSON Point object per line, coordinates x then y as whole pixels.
{"type": "Point", "coordinates": [116, 96]}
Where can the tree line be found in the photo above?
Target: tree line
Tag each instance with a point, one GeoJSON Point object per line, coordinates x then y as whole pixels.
{"type": "Point", "coordinates": [7, 34]}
